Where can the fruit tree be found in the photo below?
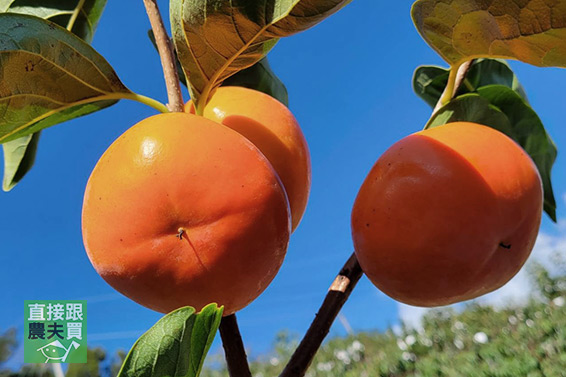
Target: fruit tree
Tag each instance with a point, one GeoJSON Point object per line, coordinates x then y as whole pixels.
{"type": "Point", "coordinates": [191, 210]}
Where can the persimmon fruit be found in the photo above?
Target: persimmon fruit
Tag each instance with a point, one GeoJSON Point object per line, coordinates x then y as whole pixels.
{"type": "Point", "coordinates": [447, 214]}
{"type": "Point", "coordinates": [183, 211]}
{"type": "Point", "coordinates": [272, 128]}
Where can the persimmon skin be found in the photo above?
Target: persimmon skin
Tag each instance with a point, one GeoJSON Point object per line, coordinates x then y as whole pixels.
{"type": "Point", "coordinates": [272, 128]}
{"type": "Point", "coordinates": [447, 214]}
{"type": "Point", "coordinates": [182, 211]}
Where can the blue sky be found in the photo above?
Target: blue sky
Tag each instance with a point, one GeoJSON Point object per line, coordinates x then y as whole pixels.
{"type": "Point", "coordinates": [349, 83]}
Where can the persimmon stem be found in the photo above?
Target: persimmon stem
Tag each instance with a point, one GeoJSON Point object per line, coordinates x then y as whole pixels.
{"type": "Point", "coordinates": [337, 295]}
{"type": "Point", "coordinates": [165, 49]}
{"type": "Point", "coordinates": [236, 358]}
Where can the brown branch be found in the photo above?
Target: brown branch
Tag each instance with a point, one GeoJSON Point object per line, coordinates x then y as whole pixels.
{"type": "Point", "coordinates": [460, 76]}
{"type": "Point", "coordinates": [337, 295]}
{"type": "Point", "coordinates": [234, 347]}
{"type": "Point", "coordinates": [167, 56]}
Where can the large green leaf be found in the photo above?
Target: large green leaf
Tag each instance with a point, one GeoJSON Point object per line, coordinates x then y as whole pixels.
{"type": "Point", "coordinates": [215, 39]}
{"type": "Point", "coordinates": [48, 75]}
{"type": "Point", "coordinates": [19, 154]}
{"type": "Point", "coordinates": [473, 108]}
{"type": "Point", "coordinates": [258, 77]}
{"type": "Point", "coordinates": [502, 108]}
{"type": "Point", "coordinates": [61, 12]}
{"type": "Point", "coordinates": [533, 31]}
{"type": "Point", "coordinates": [429, 81]}
{"type": "Point", "coordinates": [175, 346]}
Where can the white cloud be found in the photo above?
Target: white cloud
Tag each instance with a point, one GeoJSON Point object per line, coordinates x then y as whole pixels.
{"type": "Point", "coordinates": [518, 289]}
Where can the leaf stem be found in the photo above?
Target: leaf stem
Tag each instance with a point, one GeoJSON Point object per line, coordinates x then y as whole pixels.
{"type": "Point", "coordinates": [146, 101]}
{"type": "Point", "coordinates": [114, 96]}
{"type": "Point", "coordinates": [75, 14]}
{"type": "Point", "coordinates": [165, 49]}
{"type": "Point", "coordinates": [456, 77]}
{"type": "Point", "coordinates": [234, 347]}
{"type": "Point", "coordinates": [337, 295]}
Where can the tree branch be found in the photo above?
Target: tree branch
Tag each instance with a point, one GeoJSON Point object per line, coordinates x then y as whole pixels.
{"type": "Point", "coordinates": [234, 347]}
{"type": "Point", "coordinates": [336, 297]}
{"type": "Point", "coordinates": [165, 49]}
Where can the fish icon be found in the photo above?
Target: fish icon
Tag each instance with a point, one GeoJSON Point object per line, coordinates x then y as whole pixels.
{"type": "Point", "coordinates": [57, 351]}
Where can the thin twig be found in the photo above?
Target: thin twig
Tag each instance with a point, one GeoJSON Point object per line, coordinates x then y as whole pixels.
{"type": "Point", "coordinates": [167, 56]}
{"type": "Point", "coordinates": [337, 295]}
{"type": "Point", "coordinates": [460, 76]}
{"type": "Point", "coordinates": [234, 347]}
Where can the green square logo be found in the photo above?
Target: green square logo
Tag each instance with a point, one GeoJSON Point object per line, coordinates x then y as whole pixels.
{"type": "Point", "coordinates": [55, 331]}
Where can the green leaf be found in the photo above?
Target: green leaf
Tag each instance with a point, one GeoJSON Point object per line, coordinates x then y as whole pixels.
{"type": "Point", "coordinates": [471, 107]}
{"type": "Point", "coordinates": [502, 108]}
{"type": "Point", "coordinates": [19, 156]}
{"type": "Point", "coordinates": [529, 132]}
{"type": "Point", "coordinates": [5, 4]}
{"type": "Point", "coordinates": [532, 31]}
{"type": "Point", "coordinates": [260, 77]}
{"type": "Point", "coordinates": [175, 346]}
{"type": "Point", "coordinates": [215, 39]}
{"type": "Point", "coordinates": [429, 81]}
{"type": "Point", "coordinates": [48, 76]}
{"type": "Point", "coordinates": [61, 12]}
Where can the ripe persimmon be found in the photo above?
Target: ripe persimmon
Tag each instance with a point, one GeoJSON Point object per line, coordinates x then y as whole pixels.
{"type": "Point", "coordinates": [272, 128]}
{"type": "Point", "coordinates": [183, 211]}
{"type": "Point", "coordinates": [447, 214]}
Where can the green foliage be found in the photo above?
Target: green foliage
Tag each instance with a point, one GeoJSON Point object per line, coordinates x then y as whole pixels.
{"type": "Point", "coordinates": [61, 12]}
{"type": "Point", "coordinates": [45, 76]}
{"type": "Point", "coordinates": [95, 356]}
{"type": "Point", "coordinates": [81, 19]}
{"type": "Point", "coordinates": [259, 77]}
{"type": "Point", "coordinates": [492, 95]}
{"type": "Point", "coordinates": [8, 344]}
{"type": "Point", "coordinates": [175, 346]}
{"type": "Point", "coordinates": [215, 40]}
{"type": "Point", "coordinates": [19, 156]}
{"type": "Point", "coordinates": [478, 341]}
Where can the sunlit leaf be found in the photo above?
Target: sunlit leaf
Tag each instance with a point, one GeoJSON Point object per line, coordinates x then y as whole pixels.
{"type": "Point", "coordinates": [19, 156]}
{"type": "Point", "coordinates": [5, 4]}
{"type": "Point", "coordinates": [214, 40]}
{"type": "Point", "coordinates": [175, 346]}
{"type": "Point", "coordinates": [48, 75]}
{"type": "Point", "coordinates": [533, 31]}
{"type": "Point", "coordinates": [258, 77]}
{"type": "Point", "coordinates": [61, 12]}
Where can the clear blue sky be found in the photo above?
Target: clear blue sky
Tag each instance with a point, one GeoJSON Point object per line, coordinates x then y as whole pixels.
{"type": "Point", "coordinates": [349, 83]}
